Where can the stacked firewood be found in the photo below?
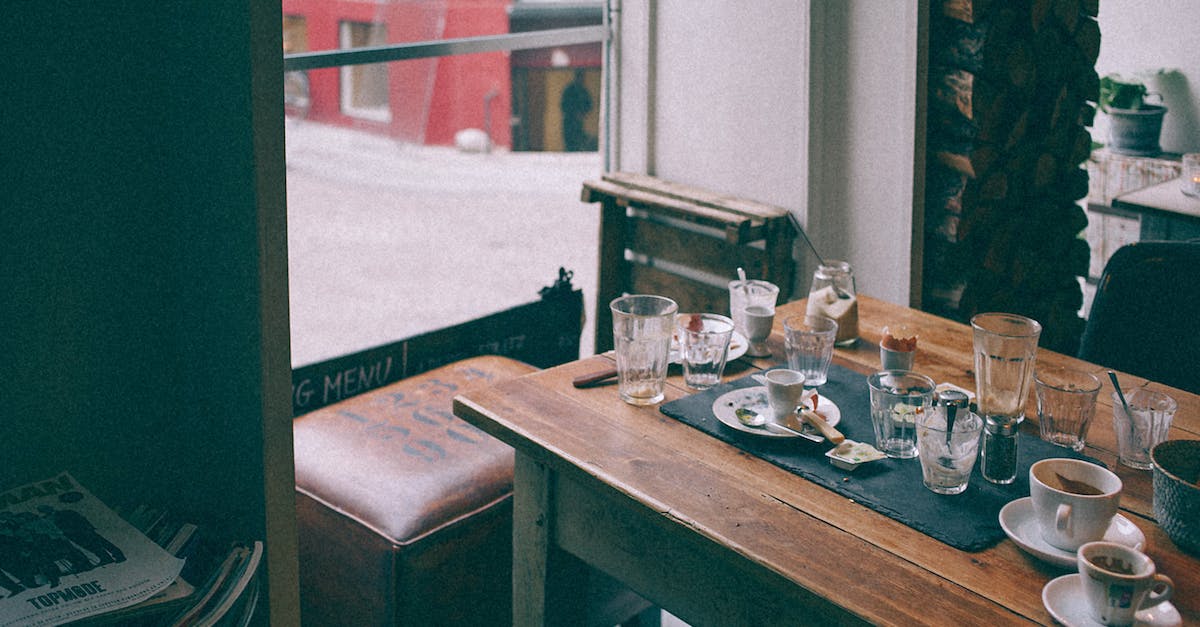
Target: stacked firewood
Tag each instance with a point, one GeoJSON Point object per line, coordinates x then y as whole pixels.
{"type": "Point", "coordinates": [1012, 87]}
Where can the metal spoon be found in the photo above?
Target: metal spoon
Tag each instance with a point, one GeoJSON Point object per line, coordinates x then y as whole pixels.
{"type": "Point", "coordinates": [841, 293]}
{"type": "Point", "coordinates": [1112, 376]}
{"type": "Point", "coordinates": [952, 400]}
{"type": "Point", "coordinates": [751, 418]}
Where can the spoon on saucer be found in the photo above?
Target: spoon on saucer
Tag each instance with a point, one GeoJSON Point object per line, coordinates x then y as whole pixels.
{"type": "Point", "coordinates": [751, 418]}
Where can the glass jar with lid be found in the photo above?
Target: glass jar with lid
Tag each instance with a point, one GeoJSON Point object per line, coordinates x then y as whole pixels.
{"type": "Point", "coordinates": [833, 295]}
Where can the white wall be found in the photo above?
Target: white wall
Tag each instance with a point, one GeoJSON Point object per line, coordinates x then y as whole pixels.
{"type": "Point", "coordinates": [721, 94]}
{"type": "Point", "coordinates": [1138, 37]}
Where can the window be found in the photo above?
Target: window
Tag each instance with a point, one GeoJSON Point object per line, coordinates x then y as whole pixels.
{"type": "Point", "coordinates": [428, 181]}
{"type": "Point", "coordinates": [364, 87]}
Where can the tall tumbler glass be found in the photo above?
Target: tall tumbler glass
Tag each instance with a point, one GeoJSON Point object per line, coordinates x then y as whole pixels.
{"type": "Point", "coordinates": [1005, 356]}
{"type": "Point", "coordinates": [642, 329]}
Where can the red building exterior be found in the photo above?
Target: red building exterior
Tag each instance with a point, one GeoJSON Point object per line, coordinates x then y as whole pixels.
{"type": "Point", "coordinates": [514, 97]}
{"type": "Point", "coordinates": [424, 101]}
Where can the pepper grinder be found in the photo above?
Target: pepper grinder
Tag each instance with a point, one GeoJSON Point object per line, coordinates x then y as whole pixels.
{"type": "Point", "coordinates": [998, 455]}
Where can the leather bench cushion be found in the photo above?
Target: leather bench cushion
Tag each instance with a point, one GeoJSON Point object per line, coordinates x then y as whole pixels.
{"type": "Point", "coordinates": [398, 461]}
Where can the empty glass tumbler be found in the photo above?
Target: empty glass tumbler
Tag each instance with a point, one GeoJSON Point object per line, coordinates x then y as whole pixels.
{"type": "Point", "coordinates": [808, 341]}
{"type": "Point", "coordinates": [703, 347]}
{"type": "Point", "coordinates": [642, 329]}
{"type": "Point", "coordinates": [897, 398]}
{"type": "Point", "coordinates": [1066, 402]}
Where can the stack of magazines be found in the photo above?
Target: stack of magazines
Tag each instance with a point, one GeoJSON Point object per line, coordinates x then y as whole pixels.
{"type": "Point", "coordinates": [67, 558]}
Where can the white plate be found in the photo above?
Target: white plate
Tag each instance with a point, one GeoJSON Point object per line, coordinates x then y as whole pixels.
{"type": "Point", "coordinates": [738, 345]}
{"type": "Point", "coordinates": [1063, 598]}
{"type": "Point", "coordinates": [1020, 523]}
{"type": "Point", "coordinates": [755, 399]}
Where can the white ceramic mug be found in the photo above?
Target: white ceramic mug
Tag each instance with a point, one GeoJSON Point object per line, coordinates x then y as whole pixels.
{"type": "Point", "coordinates": [1118, 581]}
{"type": "Point", "coordinates": [1074, 500]}
{"type": "Point", "coordinates": [785, 391]}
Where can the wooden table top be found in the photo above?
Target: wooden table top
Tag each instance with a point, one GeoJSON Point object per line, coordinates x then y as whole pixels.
{"type": "Point", "coordinates": [860, 561]}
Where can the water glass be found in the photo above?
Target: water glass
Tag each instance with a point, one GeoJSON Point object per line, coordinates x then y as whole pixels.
{"type": "Point", "coordinates": [947, 455]}
{"type": "Point", "coordinates": [809, 342]}
{"type": "Point", "coordinates": [1005, 354]}
{"type": "Point", "coordinates": [1147, 424]}
{"type": "Point", "coordinates": [642, 329]}
{"type": "Point", "coordinates": [1066, 402]}
{"type": "Point", "coordinates": [750, 293]}
{"type": "Point", "coordinates": [703, 346]}
{"type": "Point", "coordinates": [897, 398]}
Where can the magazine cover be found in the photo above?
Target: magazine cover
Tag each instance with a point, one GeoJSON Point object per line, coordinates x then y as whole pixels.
{"type": "Point", "coordinates": [64, 555]}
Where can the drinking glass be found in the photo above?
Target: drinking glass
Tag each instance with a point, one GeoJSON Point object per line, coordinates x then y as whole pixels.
{"type": "Point", "coordinates": [1066, 402]}
{"type": "Point", "coordinates": [808, 341]}
{"type": "Point", "coordinates": [747, 294]}
{"type": "Point", "coordinates": [703, 346]}
{"type": "Point", "coordinates": [1146, 424]}
{"type": "Point", "coordinates": [947, 454]}
{"type": "Point", "coordinates": [642, 329]}
{"type": "Point", "coordinates": [897, 398]}
{"type": "Point", "coordinates": [1005, 354]}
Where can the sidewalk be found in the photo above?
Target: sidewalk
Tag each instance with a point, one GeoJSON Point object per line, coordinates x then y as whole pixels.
{"type": "Point", "coordinates": [387, 240]}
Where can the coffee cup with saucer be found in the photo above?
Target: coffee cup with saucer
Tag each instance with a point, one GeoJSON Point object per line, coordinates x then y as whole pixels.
{"type": "Point", "coordinates": [1064, 599]}
{"type": "Point", "coordinates": [1074, 500]}
{"type": "Point", "coordinates": [1021, 525]}
{"type": "Point", "coordinates": [1114, 585]}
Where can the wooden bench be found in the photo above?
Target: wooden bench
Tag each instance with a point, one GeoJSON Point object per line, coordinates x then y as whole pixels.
{"type": "Point", "coordinates": [683, 242]}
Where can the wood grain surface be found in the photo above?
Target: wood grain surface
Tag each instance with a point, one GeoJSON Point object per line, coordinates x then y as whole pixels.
{"type": "Point", "coordinates": [717, 536]}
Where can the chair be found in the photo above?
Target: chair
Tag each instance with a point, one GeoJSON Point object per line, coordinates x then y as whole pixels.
{"type": "Point", "coordinates": [1145, 319]}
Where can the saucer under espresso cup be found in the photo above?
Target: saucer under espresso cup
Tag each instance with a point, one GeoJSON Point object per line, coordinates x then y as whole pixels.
{"type": "Point", "coordinates": [1074, 500]}
{"type": "Point", "coordinates": [1021, 525]}
{"type": "Point", "coordinates": [1118, 581]}
{"type": "Point", "coordinates": [1063, 598]}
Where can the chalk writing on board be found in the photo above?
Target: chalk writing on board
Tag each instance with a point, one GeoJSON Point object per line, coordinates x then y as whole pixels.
{"type": "Point", "coordinates": [542, 333]}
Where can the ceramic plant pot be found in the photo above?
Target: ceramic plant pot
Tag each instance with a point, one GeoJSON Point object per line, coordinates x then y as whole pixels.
{"type": "Point", "coordinates": [1136, 131]}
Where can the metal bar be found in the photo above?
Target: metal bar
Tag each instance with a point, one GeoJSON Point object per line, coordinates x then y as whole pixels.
{"type": "Point", "coordinates": [445, 47]}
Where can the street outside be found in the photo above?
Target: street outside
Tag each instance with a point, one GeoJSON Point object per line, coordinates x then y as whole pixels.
{"type": "Point", "coordinates": [388, 239]}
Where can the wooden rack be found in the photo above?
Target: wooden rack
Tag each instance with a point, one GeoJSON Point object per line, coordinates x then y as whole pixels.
{"type": "Point", "coordinates": [683, 242]}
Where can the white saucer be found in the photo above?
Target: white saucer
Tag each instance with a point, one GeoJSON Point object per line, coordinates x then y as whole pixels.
{"type": "Point", "coordinates": [1063, 598]}
{"type": "Point", "coordinates": [755, 399]}
{"type": "Point", "coordinates": [1019, 522]}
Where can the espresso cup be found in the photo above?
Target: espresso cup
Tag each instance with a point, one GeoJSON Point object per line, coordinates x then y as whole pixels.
{"type": "Point", "coordinates": [785, 392]}
{"type": "Point", "coordinates": [1118, 581]}
{"type": "Point", "coordinates": [1074, 500]}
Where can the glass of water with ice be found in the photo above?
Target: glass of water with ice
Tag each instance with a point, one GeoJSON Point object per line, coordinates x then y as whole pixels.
{"type": "Point", "coordinates": [947, 456]}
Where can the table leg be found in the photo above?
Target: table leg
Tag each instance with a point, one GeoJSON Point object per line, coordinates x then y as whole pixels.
{"type": "Point", "coordinates": [531, 540]}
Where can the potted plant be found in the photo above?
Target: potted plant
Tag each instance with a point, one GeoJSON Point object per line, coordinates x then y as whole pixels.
{"type": "Point", "coordinates": [1134, 124]}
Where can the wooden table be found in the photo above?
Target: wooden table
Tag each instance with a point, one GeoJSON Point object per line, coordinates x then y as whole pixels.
{"type": "Point", "coordinates": [720, 537]}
